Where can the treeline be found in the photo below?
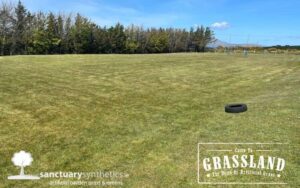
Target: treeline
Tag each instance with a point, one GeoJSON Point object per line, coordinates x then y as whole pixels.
{"type": "Point", "coordinates": [24, 32]}
{"type": "Point", "coordinates": [286, 47]}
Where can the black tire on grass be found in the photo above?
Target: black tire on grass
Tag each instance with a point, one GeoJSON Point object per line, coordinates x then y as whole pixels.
{"type": "Point", "coordinates": [235, 108]}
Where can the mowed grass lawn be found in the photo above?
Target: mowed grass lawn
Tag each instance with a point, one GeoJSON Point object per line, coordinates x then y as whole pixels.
{"type": "Point", "coordinates": [143, 114]}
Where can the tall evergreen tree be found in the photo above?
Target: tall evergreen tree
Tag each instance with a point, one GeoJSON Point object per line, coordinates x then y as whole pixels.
{"type": "Point", "coordinates": [67, 43]}
{"type": "Point", "coordinates": [117, 38]}
{"type": "Point", "coordinates": [40, 44]}
{"type": "Point", "coordinates": [6, 28]}
{"type": "Point", "coordinates": [20, 22]}
{"type": "Point", "coordinates": [52, 34]}
{"type": "Point", "coordinates": [60, 33]}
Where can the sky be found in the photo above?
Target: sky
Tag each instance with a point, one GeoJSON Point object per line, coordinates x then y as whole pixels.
{"type": "Point", "coordinates": [263, 22]}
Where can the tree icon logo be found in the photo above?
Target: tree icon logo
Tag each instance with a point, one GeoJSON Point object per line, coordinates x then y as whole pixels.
{"type": "Point", "coordinates": [22, 159]}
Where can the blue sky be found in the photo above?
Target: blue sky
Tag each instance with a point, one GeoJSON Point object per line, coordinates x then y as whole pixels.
{"type": "Point", "coordinates": [265, 22]}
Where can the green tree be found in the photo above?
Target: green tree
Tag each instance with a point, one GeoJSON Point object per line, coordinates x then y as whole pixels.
{"type": "Point", "coordinates": [158, 42]}
{"type": "Point", "coordinates": [117, 38]}
{"type": "Point", "coordinates": [82, 35]}
{"type": "Point", "coordinates": [132, 44]}
{"type": "Point", "coordinates": [19, 39]}
{"type": "Point", "coordinates": [60, 33]}
{"type": "Point", "coordinates": [52, 37]}
{"type": "Point", "coordinates": [67, 42]}
{"type": "Point", "coordinates": [6, 28]}
{"type": "Point", "coordinates": [40, 42]}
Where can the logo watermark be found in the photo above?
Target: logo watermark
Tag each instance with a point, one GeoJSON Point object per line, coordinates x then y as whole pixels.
{"type": "Point", "coordinates": [23, 159]}
{"type": "Point", "coordinates": [237, 163]}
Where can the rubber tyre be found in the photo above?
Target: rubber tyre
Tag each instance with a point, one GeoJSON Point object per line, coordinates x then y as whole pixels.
{"type": "Point", "coordinates": [235, 108]}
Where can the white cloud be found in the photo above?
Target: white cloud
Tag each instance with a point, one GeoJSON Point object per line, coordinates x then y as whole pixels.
{"type": "Point", "coordinates": [220, 25]}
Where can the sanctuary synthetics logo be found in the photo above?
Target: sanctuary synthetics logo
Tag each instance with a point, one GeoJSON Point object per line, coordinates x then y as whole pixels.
{"type": "Point", "coordinates": [23, 159]}
{"type": "Point", "coordinates": [240, 163]}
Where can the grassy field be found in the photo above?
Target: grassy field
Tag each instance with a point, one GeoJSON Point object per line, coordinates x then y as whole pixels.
{"type": "Point", "coordinates": [143, 114]}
